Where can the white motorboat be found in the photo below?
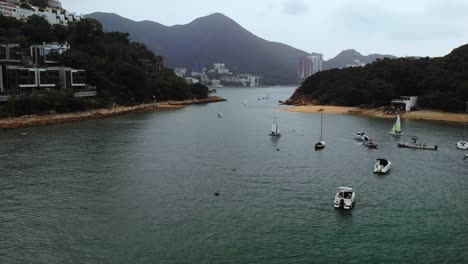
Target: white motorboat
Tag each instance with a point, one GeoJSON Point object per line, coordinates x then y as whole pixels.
{"type": "Point", "coordinates": [321, 144]}
{"type": "Point", "coordinates": [382, 166]}
{"type": "Point", "coordinates": [275, 131]}
{"type": "Point", "coordinates": [466, 156]}
{"type": "Point", "coordinates": [345, 198]}
{"type": "Point", "coordinates": [361, 136]}
{"type": "Point", "coordinates": [463, 145]}
{"type": "Point", "coordinates": [396, 130]}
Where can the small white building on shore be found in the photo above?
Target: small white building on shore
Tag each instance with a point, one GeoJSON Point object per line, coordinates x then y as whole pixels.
{"type": "Point", "coordinates": [406, 103]}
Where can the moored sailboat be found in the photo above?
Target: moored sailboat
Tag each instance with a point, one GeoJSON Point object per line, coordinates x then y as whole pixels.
{"type": "Point", "coordinates": [396, 130]}
{"type": "Point", "coordinates": [463, 144]}
{"type": "Point", "coordinates": [220, 115]}
{"type": "Point", "coordinates": [321, 144]}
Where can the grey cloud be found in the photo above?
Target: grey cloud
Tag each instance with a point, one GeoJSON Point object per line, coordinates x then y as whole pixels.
{"type": "Point", "coordinates": [295, 7]}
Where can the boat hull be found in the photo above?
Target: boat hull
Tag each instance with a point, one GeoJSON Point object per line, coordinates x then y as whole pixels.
{"type": "Point", "coordinates": [462, 145]}
{"type": "Point", "coordinates": [274, 135]}
{"type": "Point", "coordinates": [396, 134]}
{"type": "Point", "coordinates": [320, 145]}
{"type": "Point", "coordinates": [417, 146]}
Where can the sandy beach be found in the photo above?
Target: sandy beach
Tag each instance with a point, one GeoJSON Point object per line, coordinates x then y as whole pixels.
{"type": "Point", "coordinates": [377, 113]}
{"type": "Point", "coordinates": [31, 121]}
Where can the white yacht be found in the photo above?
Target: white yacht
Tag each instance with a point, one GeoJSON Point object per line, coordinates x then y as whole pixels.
{"type": "Point", "coordinates": [361, 136]}
{"type": "Point", "coordinates": [382, 166]}
{"type": "Point", "coordinates": [345, 198]}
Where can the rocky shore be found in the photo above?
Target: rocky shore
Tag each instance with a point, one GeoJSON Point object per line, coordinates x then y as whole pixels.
{"type": "Point", "coordinates": [32, 121]}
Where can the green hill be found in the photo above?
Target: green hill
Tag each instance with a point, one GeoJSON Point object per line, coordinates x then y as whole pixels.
{"type": "Point", "coordinates": [441, 83]}
{"type": "Point", "coordinates": [124, 72]}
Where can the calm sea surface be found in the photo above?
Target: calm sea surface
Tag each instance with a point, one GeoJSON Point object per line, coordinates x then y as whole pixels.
{"type": "Point", "coordinates": [140, 188]}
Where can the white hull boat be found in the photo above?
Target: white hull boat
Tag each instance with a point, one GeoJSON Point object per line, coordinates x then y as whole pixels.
{"type": "Point", "coordinates": [396, 130]}
{"type": "Point", "coordinates": [462, 145]}
{"type": "Point", "coordinates": [361, 136]}
{"type": "Point", "coordinates": [382, 166]}
{"type": "Point", "coordinates": [345, 198]}
{"type": "Point", "coordinates": [466, 156]}
{"type": "Point", "coordinates": [320, 145]}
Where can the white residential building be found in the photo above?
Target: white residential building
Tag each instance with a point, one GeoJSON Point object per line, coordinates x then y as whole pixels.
{"type": "Point", "coordinates": [48, 53]}
{"type": "Point", "coordinates": [180, 72]}
{"type": "Point", "coordinates": [53, 14]}
{"type": "Point", "coordinates": [220, 68]}
{"type": "Point", "coordinates": [407, 103]}
{"type": "Point", "coordinates": [317, 62]}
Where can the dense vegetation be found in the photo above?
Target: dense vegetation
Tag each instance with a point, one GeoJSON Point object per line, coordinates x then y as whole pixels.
{"type": "Point", "coordinates": [441, 83]}
{"type": "Point", "coordinates": [124, 72]}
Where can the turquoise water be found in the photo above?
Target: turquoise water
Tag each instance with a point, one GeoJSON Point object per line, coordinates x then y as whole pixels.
{"type": "Point", "coordinates": [140, 188]}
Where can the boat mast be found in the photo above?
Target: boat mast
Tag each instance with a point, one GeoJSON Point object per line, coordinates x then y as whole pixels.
{"type": "Point", "coordinates": [321, 125]}
{"type": "Point", "coordinates": [464, 129]}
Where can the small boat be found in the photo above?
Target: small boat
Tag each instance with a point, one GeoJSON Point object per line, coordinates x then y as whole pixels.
{"type": "Point", "coordinates": [220, 115]}
{"type": "Point", "coordinates": [396, 130]}
{"type": "Point", "coordinates": [370, 144]}
{"type": "Point", "coordinates": [463, 145]}
{"type": "Point", "coordinates": [361, 136]}
{"type": "Point", "coordinates": [245, 102]}
{"type": "Point", "coordinates": [466, 156]}
{"type": "Point", "coordinates": [345, 198]}
{"type": "Point", "coordinates": [382, 166]}
{"type": "Point", "coordinates": [275, 132]}
{"type": "Point", "coordinates": [416, 145]}
{"type": "Point", "coordinates": [321, 144]}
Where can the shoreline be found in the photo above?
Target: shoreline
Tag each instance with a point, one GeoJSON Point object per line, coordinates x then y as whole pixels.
{"type": "Point", "coordinates": [46, 120]}
{"type": "Point", "coordinates": [427, 115]}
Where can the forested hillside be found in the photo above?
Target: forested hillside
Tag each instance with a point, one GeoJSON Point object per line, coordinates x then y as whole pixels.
{"type": "Point", "coordinates": [441, 83]}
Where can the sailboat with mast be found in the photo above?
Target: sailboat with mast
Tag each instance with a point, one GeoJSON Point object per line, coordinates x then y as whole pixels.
{"type": "Point", "coordinates": [220, 115]}
{"type": "Point", "coordinates": [463, 145]}
{"type": "Point", "coordinates": [321, 144]}
{"type": "Point", "coordinates": [396, 130]}
{"type": "Point", "coordinates": [275, 131]}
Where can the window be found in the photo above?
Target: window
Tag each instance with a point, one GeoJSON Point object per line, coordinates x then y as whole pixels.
{"type": "Point", "coordinates": [3, 53]}
{"type": "Point", "coordinates": [27, 77]}
{"type": "Point", "coordinates": [79, 77]}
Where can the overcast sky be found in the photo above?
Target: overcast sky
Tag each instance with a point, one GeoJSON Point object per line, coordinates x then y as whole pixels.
{"type": "Point", "coordinates": [398, 27]}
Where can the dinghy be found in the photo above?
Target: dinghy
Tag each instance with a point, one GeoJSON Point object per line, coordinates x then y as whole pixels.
{"type": "Point", "coordinates": [370, 144]}
{"type": "Point", "coordinates": [344, 198]}
{"type": "Point", "coordinates": [275, 132]}
{"type": "Point", "coordinates": [396, 130]}
{"type": "Point", "coordinates": [382, 166]}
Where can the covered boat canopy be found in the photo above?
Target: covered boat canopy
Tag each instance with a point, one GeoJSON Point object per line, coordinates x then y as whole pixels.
{"type": "Point", "coordinates": [383, 162]}
{"type": "Point", "coordinates": [345, 189]}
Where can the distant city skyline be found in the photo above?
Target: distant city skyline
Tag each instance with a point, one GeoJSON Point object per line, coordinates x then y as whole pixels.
{"type": "Point", "coordinates": [402, 28]}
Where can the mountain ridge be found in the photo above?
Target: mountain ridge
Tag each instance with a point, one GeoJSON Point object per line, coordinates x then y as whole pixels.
{"type": "Point", "coordinates": [211, 39]}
